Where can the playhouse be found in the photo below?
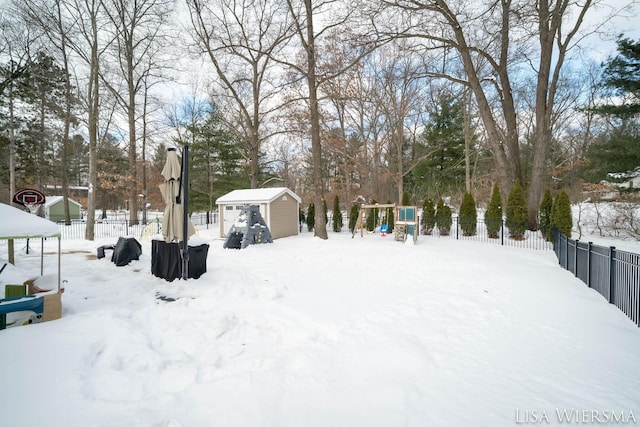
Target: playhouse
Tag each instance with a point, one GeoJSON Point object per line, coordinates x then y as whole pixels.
{"type": "Point", "coordinates": [248, 229]}
{"type": "Point", "coordinates": [26, 297]}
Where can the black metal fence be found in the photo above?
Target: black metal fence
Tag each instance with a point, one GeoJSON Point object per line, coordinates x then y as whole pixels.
{"type": "Point", "coordinates": [122, 227]}
{"type": "Point", "coordinates": [612, 273]}
{"type": "Point", "coordinates": [102, 228]}
{"type": "Point", "coordinates": [530, 240]}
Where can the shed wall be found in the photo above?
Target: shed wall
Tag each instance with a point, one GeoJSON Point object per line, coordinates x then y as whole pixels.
{"type": "Point", "coordinates": [283, 218]}
{"type": "Point", "coordinates": [56, 211]}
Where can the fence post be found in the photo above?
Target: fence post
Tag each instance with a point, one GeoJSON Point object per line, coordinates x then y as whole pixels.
{"type": "Point", "coordinates": [612, 274]}
{"type": "Point", "coordinates": [575, 258]}
{"type": "Point", "coordinates": [589, 264]}
{"type": "Point", "coordinates": [502, 232]}
{"type": "Point", "coordinates": [457, 232]}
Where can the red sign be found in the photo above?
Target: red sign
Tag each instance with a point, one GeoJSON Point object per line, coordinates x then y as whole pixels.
{"type": "Point", "coordinates": [28, 196]}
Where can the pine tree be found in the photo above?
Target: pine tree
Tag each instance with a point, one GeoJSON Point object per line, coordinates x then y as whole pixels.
{"type": "Point", "coordinates": [493, 215]}
{"type": "Point", "coordinates": [562, 218]}
{"type": "Point", "coordinates": [311, 220]}
{"type": "Point", "coordinates": [545, 220]}
{"type": "Point", "coordinates": [390, 218]}
{"type": "Point", "coordinates": [372, 217]}
{"type": "Point", "coordinates": [442, 147]}
{"type": "Point", "coordinates": [337, 215]}
{"type": "Point", "coordinates": [516, 212]}
{"type": "Point", "coordinates": [406, 200]}
{"type": "Point", "coordinates": [428, 220]}
{"type": "Point", "coordinates": [353, 217]}
{"type": "Point", "coordinates": [301, 217]}
{"type": "Point", "coordinates": [468, 215]}
{"type": "Point", "coordinates": [622, 73]}
{"type": "Point", "coordinates": [443, 218]}
{"type": "Point", "coordinates": [324, 210]}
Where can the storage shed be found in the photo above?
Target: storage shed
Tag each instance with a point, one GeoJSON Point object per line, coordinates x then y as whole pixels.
{"type": "Point", "coordinates": [54, 209]}
{"type": "Point", "coordinates": [279, 208]}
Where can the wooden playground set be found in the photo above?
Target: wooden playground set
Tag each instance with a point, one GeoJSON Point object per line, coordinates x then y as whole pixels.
{"type": "Point", "coordinates": [406, 222]}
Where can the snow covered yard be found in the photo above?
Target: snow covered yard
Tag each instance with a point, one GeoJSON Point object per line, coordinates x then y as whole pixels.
{"type": "Point", "coordinates": [305, 332]}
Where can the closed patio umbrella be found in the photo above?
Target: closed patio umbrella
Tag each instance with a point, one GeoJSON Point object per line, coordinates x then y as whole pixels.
{"type": "Point", "coordinates": [172, 222]}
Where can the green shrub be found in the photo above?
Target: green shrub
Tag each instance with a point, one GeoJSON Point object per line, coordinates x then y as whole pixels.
{"type": "Point", "coordinates": [443, 218]}
{"type": "Point", "coordinates": [372, 217]}
{"type": "Point", "coordinates": [468, 215]}
{"type": "Point", "coordinates": [493, 215]}
{"type": "Point", "coordinates": [428, 220]}
{"type": "Point", "coordinates": [562, 218]}
{"type": "Point", "coordinates": [390, 218]}
{"type": "Point", "coordinates": [324, 210]}
{"type": "Point", "coordinates": [311, 217]}
{"type": "Point", "coordinates": [406, 201]}
{"type": "Point", "coordinates": [353, 217]}
{"type": "Point", "coordinates": [544, 215]}
{"type": "Point", "coordinates": [337, 215]}
{"type": "Point", "coordinates": [517, 217]}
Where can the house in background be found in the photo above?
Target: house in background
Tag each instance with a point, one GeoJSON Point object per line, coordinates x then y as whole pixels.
{"type": "Point", "coordinates": [279, 208]}
{"type": "Point", "coordinates": [54, 209]}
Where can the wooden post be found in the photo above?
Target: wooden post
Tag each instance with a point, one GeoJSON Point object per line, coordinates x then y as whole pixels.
{"type": "Point", "coordinates": [12, 259]}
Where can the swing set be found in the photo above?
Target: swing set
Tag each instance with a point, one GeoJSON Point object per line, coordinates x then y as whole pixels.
{"type": "Point", "coordinates": [406, 221]}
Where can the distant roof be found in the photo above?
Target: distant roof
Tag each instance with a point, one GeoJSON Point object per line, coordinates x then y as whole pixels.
{"type": "Point", "coordinates": [256, 195]}
{"type": "Point", "coordinates": [18, 224]}
{"type": "Point", "coordinates": [52, 200]}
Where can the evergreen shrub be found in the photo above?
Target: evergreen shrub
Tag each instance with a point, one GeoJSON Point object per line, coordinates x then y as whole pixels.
{"type": "Point", "coordinates": [443, 218]}
{"type": "Point", "coordinates": [390, 218]}
{"type": "Point", "coordinates": [493, 215]}
{"type": "Point", "coordinates": [517, 217]}
{"type": "Point", "coordinates": [372, 217]}
{"type": "Point", "coordinates": [311, 217]}
{"type": "Point", "coordinates": [337, 215]}
{"type": "Point", "coordinates": [544, 215]}
{"type": "Point", "coordinates": [468, 216]}
{"type": "Point", "coordinates": [353, 217]}
{"type": "Point", "coordinates": [562, 218]}
{"type": "Point", "coordinates": [428, 220]}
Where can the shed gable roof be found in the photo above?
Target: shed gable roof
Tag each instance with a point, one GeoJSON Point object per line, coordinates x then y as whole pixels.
{"type": "Point", "coordinates": [256, 195]}
{"type": "Point", "coordinates": [52, 200]}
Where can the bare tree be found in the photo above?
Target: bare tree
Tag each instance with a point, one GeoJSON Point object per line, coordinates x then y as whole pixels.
{"type": "Point", "coordinates": [137, 28]}
{"type": "Point", "coordinates": [336, 17]}
{"type": "Point", "coordinates": [496, 42]}
{"type": "Point", "coordinates": [88, 44]}
{"type": "Point", "coordinates": [400, 86]}
{"type": "Point", "coordinates": [240, 39]}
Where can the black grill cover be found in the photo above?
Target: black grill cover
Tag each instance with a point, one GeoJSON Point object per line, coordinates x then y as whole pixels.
{"type": "Point", "coordinates": [126, 250]}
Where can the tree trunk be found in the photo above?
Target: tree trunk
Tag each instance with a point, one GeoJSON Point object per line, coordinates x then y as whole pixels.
{"type": "Point", "coordinates": [133, 157]}
{"type": "Point", "coordinates": [93, 112]}
{"type": "Point", "coordinates": [12, 146]}
{"type": "Point", "coordinates": [320, 228]}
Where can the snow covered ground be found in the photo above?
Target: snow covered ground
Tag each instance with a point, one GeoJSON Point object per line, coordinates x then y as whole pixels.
{"type": "Point", "coordinates": [305, 332]}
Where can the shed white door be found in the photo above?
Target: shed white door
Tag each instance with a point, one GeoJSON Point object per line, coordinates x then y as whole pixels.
{"type": "Point", "coordinates": [231, 212]}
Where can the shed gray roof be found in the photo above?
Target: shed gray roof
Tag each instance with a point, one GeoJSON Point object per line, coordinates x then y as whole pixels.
{"type": "Point", "coordinates": [256, 195]}
{"type": "Point", "coordinates": [52, 200]}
